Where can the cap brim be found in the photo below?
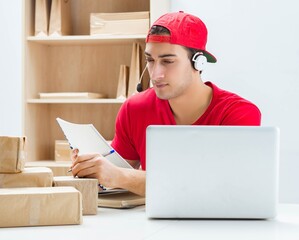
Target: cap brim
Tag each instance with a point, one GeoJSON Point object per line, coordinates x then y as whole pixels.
{"type": "Point", "coordinates": [210, 57]}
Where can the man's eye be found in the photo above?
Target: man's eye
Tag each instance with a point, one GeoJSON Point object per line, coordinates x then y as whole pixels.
{"type": "Point", "coordinates": [149, 60]}
{"type": "Point", "coordinates": [168, 61]}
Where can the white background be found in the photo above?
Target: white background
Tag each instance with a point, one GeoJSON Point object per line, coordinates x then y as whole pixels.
{"type": "Point", "coordinates": [256, 43]}
{"type": "Point", "coordinates": [10, 67]}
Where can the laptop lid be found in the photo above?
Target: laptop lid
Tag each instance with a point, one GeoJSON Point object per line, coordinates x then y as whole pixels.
{"type": "Point", "coordinates": [211, 171]}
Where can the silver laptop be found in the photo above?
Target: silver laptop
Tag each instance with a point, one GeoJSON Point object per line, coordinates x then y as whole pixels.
{"type": "Point", "coordinates": [211, 172]}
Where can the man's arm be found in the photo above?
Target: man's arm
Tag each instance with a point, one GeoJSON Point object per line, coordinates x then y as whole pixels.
{"type": "Point", "coordinates": [133, 180]}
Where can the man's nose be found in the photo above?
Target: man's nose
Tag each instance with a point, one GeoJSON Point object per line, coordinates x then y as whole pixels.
{"type": "Point", "coordinates": [157, 72]}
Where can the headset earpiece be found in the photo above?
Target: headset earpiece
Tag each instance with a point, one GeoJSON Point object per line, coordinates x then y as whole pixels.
{"type": "Point", "coordinates": [199, 61]}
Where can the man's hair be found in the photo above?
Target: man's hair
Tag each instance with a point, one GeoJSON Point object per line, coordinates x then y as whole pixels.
{"type": "Point", "coordinates": [159, 30]}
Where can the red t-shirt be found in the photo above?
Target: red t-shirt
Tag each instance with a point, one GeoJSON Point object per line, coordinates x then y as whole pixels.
{"type": "Point", "coordinates": [145, 108]}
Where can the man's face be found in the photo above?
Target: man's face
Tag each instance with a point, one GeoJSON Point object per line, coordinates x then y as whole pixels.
{"type": "Point", "coordinates": [169, 68]}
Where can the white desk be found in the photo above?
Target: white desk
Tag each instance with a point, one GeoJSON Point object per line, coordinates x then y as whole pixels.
{"type": "Point", "coordinates": [132, 224]}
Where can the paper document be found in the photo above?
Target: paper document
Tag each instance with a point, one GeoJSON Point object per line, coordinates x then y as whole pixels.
{"type": "Point", "coordinates": [107, 191]}
{"type": "Point", "coordinates": [87, 139]}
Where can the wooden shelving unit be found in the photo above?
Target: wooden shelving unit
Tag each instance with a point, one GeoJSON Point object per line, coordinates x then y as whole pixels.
{"type": "Point", "coordinates": [75, 63]}
{"type": "Point", "coordinates": [87, 40]}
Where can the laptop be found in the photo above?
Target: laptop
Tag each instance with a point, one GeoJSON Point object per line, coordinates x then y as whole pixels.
{"type": "Point", "coordinates": [212, 172]}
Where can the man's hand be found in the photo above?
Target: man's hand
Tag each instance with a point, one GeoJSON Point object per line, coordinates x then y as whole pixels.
{"type": "Point", "coordinates": [94, 165]}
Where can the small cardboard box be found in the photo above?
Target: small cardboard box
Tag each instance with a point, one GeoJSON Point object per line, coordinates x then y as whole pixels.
{"type": "Point", "coordinates": [29, 177]}
{"type": "Point", "coordinates": [62, 151]}
{"type": "Point", "coordinates": [40, 206]}
{"type": "Point", "coordinates": [59, 168]}
{"type": "Point", "coordinates": [12, 154]}
{"type": "Point", "coordinates": [88, 188]}
{"type": "Point", "coordinates": [119, 23]}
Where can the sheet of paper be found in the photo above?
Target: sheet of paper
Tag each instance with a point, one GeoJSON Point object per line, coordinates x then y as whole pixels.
{"type": "Point", "coordinates": [87, 139]}
{"type": "Point", "coordinates": [106, 191]}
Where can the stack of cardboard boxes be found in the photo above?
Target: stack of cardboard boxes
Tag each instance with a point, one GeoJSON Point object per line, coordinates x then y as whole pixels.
{"type": "Point", "coordinates": [31, 196]}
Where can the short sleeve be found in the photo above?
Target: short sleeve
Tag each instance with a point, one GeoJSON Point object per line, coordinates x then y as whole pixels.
{"type": "Point", "coordinates": [242, 113]}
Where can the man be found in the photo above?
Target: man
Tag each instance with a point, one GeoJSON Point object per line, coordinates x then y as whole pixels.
{"type": "Point", "coordinates": [175, 53]}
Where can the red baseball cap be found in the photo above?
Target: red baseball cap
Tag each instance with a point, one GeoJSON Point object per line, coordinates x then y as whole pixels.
{"type": "Point", "coordinates": [185, 29]}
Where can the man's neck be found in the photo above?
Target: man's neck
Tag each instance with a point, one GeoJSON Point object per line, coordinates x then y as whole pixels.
{"type": "Point", "coordinates": [192, 105]}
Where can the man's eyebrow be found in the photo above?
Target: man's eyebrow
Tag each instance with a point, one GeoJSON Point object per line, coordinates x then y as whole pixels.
{"type": "Point", "coordinates": [161, 56]}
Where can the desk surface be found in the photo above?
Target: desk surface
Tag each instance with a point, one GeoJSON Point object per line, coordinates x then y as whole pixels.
{"type": "Point", "coordinates": [132, 224]}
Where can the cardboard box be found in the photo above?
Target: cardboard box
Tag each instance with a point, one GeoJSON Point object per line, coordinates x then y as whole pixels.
{"type": "Point", "coordinates": [62, 150]}
{"type": "Point", "coordinates": [88, 188]}
{"type": "Point", "coordinates": [29, 177]}
{"type": "Point", "coordinates": [40, 206]}
{"type": "Point", "coordinates": [119, 23]}
{"type": "Point", "coordinates": [59, 168]}
{"type": "Point", "coordinates": [12, 154]}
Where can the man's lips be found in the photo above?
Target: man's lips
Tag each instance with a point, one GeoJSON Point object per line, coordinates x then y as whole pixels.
{"type": "Point", "coordinates": [160, 85]}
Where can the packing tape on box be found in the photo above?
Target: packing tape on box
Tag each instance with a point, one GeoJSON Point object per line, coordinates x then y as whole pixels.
{"type": "Point", "coordinates": [35, 210]}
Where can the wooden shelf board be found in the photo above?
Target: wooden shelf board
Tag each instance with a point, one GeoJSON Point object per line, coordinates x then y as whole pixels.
{"type": "Point", "coordinates": [101, 100]}
{"type": "Point", "coordinates": [86, 39]}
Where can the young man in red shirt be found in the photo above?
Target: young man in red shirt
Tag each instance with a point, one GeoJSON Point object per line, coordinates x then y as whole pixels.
{"type": "Point", "coordinates": [176, 54]}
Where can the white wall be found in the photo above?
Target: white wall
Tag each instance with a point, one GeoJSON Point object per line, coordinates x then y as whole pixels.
{"type": "Point", "coordinates": [10, 67]}
{"type": "Point", "coordinates": [257, 46]}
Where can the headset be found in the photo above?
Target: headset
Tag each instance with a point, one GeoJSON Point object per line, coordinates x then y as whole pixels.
{"type": "Point", "coordinates": [139, 87]}
{"type": "Point", "coordinates": [199, 61]}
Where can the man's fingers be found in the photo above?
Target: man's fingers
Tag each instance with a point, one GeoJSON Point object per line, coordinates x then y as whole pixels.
{"type": "Point", "coordinates": [84, 166]}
